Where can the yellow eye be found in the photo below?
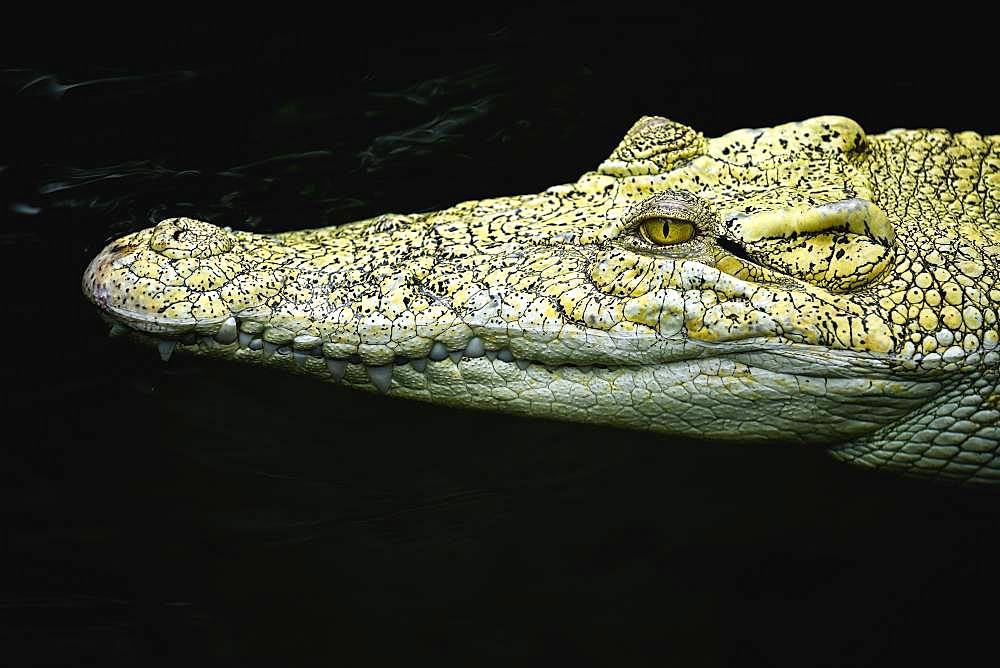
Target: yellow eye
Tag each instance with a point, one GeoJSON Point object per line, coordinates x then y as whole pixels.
{"type": "Point", "coordinates": [666, 231]}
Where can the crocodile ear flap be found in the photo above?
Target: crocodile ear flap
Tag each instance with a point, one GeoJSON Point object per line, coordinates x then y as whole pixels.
{"type": "Point", "coordinates": [652, 146]}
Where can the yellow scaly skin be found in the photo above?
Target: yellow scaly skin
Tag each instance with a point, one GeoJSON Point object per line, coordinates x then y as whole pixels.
{"type": "Point", "coordinates": [836, 289]}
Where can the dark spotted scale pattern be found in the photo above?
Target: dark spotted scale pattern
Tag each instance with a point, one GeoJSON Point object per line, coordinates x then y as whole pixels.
{"type": "Point", "coordinates": [838, 289]}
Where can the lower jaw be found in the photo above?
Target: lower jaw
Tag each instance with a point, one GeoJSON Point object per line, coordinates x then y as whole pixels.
{"type": "Point", "coordinates": [351, 370]}
{"type": "Point", "coordinates": [674, 398]}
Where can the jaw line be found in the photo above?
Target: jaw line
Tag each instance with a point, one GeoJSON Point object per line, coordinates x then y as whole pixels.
{"type": "Point", "coordinates": [765, 353]}
{"type": "Point", "coordinates": [150, 324]}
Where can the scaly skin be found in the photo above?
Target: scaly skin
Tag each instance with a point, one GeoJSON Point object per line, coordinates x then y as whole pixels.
{"type": "Point", "coordinates": [838, 290]}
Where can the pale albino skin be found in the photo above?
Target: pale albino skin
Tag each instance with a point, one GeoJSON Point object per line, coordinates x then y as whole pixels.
{"type": "Point", "coordinates": [817, 285]}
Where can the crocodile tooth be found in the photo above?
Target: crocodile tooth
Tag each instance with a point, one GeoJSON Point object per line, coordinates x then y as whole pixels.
{"type": "Point", "coordinates": [269, 348]}
{"type": "Point", "coordinates": [166, 349]}
{"type": "Point", "coordinates": [117, 330]}
{"type": "Point", "coordinates": [337, 368]}
{"type": "Point", "coordinates": [419, 364]}
{"type": "Point", "coordinates": [256, 344]}
{"type": "Point", "coordinates": [245, 339]}
{"type": "Point", "coordinates": [456, 356]}
{"type": "Point", "coordinates": [299, 357]}
{"type": "Point", "coordinates": [227, 332]}
{"type": "Point", "coordinates": [522, 364]}
{"type": "Point", "coordinates": [475, 347]}
{"type": "Point", "coordinates": [586, 368]}
{"type": "Point", "coordinates": [381, 377]}
{"type": "Point", "coordinates": [438, 351]}
{"type": "Point", "coordinates": [491, 355]}
{"type": "Point", "coordinates": [505, 355]}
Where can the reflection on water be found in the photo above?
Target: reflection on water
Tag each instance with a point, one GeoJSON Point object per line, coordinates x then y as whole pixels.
{"type": "Point", "coordinates": [201, 509]}
{"type": "Point", "coordinates": [29, 82]}
{"type": "Point", "coordinates": [427, 120]}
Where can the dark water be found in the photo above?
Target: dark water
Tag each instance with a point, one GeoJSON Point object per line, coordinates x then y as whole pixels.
{"type": "Point", "coordinates": [201, 513]}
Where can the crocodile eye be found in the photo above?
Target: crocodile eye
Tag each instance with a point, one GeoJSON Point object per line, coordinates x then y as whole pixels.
{"type": "Point", "coordinates": [667, 220]}
{"type": "Point", "coordinates": [666, 231]}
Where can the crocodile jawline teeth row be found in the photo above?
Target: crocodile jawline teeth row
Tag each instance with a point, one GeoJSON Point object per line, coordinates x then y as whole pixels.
{"type": "Point", "coordinates": [379, 375]}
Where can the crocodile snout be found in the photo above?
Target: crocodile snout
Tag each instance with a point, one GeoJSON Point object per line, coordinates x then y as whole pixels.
{"type": "Point", "coordinates": [167, 276]}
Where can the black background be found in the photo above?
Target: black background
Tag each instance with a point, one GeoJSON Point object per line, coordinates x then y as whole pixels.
{"type": "Point", "coordinates": [200, 513]}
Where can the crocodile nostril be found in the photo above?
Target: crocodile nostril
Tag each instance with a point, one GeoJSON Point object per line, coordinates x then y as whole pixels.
{"type": "Point", "coordinates": [178, 238]}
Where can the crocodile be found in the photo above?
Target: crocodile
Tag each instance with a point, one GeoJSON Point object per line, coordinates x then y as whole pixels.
{"type": "Point", "coordinates": [804, 283]}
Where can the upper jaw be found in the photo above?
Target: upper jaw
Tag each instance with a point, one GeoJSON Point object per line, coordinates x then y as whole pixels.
{"type": "Point", "coordinates": [561, 344]}
{"type": "Point", "coordinates": [475, 335]}
{"type": "Point", "coordinates": [619, 331]}
{"type": "Point", "coordinates": [571, 345]}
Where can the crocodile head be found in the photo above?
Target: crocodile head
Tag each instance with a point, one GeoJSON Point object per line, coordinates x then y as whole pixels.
{"type": "Point", "coordinates": [800, 283]}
